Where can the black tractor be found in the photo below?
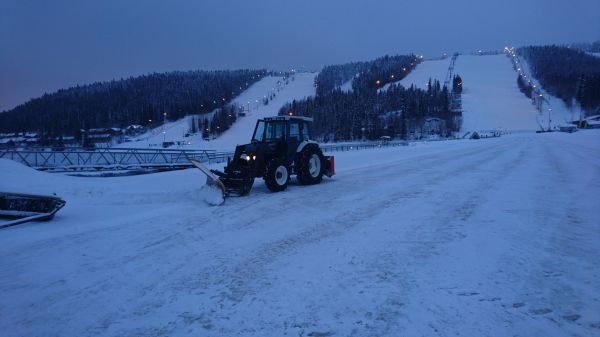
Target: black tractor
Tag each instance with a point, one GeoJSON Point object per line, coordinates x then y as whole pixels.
{"type": "Point", "coordinates": [280, 147]}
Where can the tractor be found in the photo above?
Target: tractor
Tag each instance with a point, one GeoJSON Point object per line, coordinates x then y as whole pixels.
{"type": "Point", "coordinates": [281, 146]}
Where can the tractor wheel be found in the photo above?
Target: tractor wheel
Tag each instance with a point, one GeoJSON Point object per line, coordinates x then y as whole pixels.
{"type": "Point", "coordinates": [277, 175]}
{"type": "Point", "coordinates": [309, 165]}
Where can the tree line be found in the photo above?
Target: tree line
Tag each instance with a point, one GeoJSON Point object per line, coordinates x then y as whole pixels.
{"type": "Point", "coordinates": [567, 73]}
{"type": "Point", "coordinates": [144, 100]}
{"type": "Point", "coordinates": [366, 76]}
{"type": "Point", "coordinates": [371, 111]}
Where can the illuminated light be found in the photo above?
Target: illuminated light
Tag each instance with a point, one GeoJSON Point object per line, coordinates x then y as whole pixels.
{"type": "Point", "coordinates": [290, 113]}
{"type": "Point", "coordinates": [253, 157]}
{"type": "Point", "coordinates": [378, 82]}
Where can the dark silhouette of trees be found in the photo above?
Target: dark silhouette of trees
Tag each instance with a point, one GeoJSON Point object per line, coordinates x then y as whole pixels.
{"type": "Point", "coordinates": [457, 84]}
{"type": "Point", "coordinates": [366, 75]}
{"type": "Point", "coordinates": [139, 100]}
{"type": "Point", "coordinates": [525, 87]}
{"type": "Point", "coordinates": [395, 112]}
{"type": "Point", "coordinates": [568, 73]}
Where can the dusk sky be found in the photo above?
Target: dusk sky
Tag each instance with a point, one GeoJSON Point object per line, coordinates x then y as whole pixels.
{"type": "Point", "coordinates": [48, 45]}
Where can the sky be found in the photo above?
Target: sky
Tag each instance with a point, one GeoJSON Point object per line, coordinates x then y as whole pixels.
{"type": "Point", "coordinates": [48, 45]}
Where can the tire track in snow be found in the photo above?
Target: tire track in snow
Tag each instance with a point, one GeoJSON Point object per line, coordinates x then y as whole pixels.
{"type": "Point", "coordinates": [248, 276]}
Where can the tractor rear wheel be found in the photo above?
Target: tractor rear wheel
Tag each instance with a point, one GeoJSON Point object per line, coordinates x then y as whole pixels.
{"type": "Point", "coordinates": [309, 165]}
{"type": "Point", "coordinates": [277, 175]}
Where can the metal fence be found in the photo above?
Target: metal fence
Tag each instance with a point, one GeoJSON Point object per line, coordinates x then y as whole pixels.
{"type": "Point", "coordinates": [79, 159]}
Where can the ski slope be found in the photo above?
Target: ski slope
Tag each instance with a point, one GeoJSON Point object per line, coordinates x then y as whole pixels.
{"type": "Point", "coordinates": [491, 99]}
{"type": "Point", "coordinates": [495, 237]}
{"type": "Point", "coordinates": [299, 86]}
{"type": "Point", "coordinates": [419, 77]}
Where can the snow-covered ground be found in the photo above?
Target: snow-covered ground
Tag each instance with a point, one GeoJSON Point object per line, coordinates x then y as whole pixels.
{"type": "Point", "coordinates": [434, 70]}
{"type": "Point", "coordinates": [494, 237]}
{"type": "Point", "coordinates": [491, 99]}
{"type": "Point", "coordinates": [347, 86]}
{"type": "Point", "coordinates": [299, 86]}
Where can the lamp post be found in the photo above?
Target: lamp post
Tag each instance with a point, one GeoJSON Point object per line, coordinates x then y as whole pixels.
{"type": "Point", "coordinates": [164, 131]}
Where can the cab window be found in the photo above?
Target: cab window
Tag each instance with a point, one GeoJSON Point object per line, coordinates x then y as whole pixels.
{"type": "Point", "coordinates": [305, 131]}
{"type": "Point", "coordinates": [259, 132]}
{"type": "Point", "coordinates": [275, 131]}
{"type": "Point", "coordinates": [295, 132]}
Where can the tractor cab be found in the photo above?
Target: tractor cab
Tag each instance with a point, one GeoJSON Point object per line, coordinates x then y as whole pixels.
{"type": "Point", "coordinates": [282, 134]}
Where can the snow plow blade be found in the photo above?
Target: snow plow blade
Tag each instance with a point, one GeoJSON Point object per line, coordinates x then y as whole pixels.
{"type": "Point", "coordinates": [213, 181]}
{"type": "Point", "coordinates": [22, 208]}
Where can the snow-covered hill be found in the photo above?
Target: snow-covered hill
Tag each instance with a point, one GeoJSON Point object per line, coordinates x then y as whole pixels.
{"type": "Point", "coordinates": [434, 70]}
{"type": "Point", "coordinates": [491, 98]}
{"type": "Point", "coordinates": [495, 237]}
{"type": "Point", "coordinates": [299, 86]}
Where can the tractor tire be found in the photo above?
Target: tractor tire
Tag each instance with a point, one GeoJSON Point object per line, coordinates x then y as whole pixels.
{"type": "Point", "coordinates": [309, 165]}
{"type": "Point", "coordinates": [247, 186]}
{"type": "Point", "coordinates": [277, 175]}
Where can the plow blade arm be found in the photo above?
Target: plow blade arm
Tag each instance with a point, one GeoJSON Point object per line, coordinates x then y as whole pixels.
{"type": "Point", "coordinates": [211, 178]}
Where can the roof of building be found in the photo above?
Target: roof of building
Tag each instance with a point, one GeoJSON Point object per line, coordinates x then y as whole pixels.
{"type": "Point", "coordinates": [287, 118]}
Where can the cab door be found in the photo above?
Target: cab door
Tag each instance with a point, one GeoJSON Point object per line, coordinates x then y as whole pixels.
{"type": "Point", "coordinates": [294, 138]}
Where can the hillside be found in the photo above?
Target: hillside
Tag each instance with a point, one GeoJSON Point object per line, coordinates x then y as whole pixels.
{"type": "Point", "coordinates": [491, 97]}
{"type": "Point", "coordinates": [297, 87]}
{"type": "Point", "coordinates": [144, 100]}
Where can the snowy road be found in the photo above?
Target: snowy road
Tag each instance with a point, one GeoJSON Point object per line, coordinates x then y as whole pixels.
{"type": "Point", "coordinates": [496, 237]}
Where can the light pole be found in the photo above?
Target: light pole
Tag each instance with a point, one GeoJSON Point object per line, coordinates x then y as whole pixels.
{"type": "Point", "coordinates": [164, 131]}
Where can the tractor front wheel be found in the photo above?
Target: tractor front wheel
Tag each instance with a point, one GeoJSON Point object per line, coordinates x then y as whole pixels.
{"type": "Point", "coordinates": [247, 186]}
{"type": "Point", "coordinates": [277, 175]}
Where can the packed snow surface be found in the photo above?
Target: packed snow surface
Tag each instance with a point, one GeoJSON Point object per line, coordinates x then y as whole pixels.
{"type": "Point", "coordinates": [490, 237]}
{"type": "Point", "coordinates": [434, 70]}
{"type": "Point", "coordinates": [491, 99]}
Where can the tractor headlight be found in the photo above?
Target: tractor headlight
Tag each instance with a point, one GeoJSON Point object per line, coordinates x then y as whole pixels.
{"type": "Point", "coordinates": [246, 157]}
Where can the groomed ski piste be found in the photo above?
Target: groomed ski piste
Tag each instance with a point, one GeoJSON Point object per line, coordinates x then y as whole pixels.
{"type": "Point", "coordinates": [490, 237]}
{"type": "Point", "coordinates": [491, 100]}
{"type": "Point", "coordinates": [298, 86]}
